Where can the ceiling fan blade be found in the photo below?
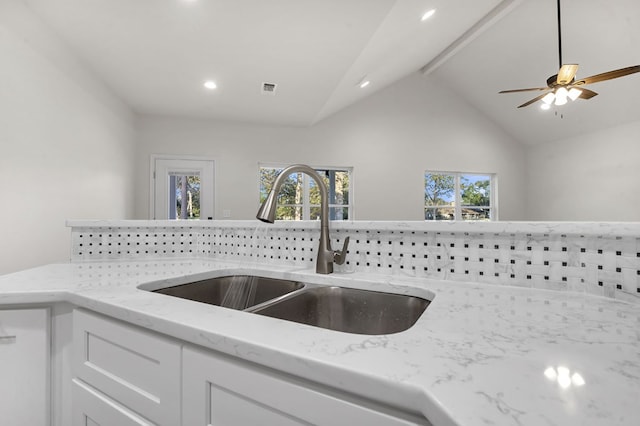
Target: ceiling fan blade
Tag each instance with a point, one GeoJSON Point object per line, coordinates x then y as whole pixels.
{"type": "Point", "coordinates": [586, 93]}
{"type": "Point", "coordinates": [566, 74]}
{"type": "Point", "coordinates": [608, 75]}
{"type": "Point", "coordinates": [536, 99]}
{"type": "Point", "coordinates": [524, 90]}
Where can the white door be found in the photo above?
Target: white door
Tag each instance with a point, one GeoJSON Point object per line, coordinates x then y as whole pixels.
{"type": "Point", "coordinates": [182, 188]}
{"type": "Point", "coordinates": [24, 367]}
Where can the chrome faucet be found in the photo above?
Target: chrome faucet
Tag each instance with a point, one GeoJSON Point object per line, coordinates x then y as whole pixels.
{"type": "Point", "coordinates": [267, 212]}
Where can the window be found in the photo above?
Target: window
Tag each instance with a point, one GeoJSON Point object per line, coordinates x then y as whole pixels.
{"type": "Point", "coordinates": [299, 196]}
{"type": "Point", "coordinates": [459, 196]}
{"type": "Point", "coordinates": [184, 195]}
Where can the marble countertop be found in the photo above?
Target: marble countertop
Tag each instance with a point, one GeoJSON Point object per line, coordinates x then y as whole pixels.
{"type": "Point", "coordinates": [480, 354]}
{"type": "Point", "coordinates": [617, 229]}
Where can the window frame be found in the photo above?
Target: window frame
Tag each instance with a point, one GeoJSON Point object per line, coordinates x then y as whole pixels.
{"type": "Point", "coordinates": [493, 196]}
{"type": "Point", "coordinates": [306, 189]}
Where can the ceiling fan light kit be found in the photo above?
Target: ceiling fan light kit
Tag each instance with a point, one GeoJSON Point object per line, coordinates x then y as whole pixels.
{"type": "Point", "coordinates": [563, 86]}
{"type": "Point", "coordinates": [574, 93]}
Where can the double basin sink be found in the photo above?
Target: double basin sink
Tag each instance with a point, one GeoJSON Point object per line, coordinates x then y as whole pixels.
{"type": "Point", "coordinates": [336, 308]}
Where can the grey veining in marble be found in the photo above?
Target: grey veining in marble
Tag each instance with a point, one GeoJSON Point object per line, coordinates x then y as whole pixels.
{"type": "Point", "coordinates": [481, 354]}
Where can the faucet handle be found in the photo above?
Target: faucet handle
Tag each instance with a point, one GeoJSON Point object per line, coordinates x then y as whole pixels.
{"type": "Point", "coordinates": [339, 256]}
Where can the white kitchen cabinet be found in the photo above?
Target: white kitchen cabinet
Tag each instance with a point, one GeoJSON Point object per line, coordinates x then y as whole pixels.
{"type": "Point", "coordinates": [221, 391]}
{"type": "Point", "coordinates": [24, 366]}
{"type": "Point", "coordinates": [127, 376]}
{"type": "Point", "coordinates": [92, 408]}
{"type": "Point", "coordinates": [114, 361]}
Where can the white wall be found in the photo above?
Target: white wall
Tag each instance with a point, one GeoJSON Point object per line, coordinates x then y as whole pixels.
{"type": "Point", "coordinates": [593, 177]}
{"type": "Point", "coordinates": [67, 144]}
{"type": "Point", "coordinates": [236, 148]}
{"type": "Point", "coordinates": [389, 138]}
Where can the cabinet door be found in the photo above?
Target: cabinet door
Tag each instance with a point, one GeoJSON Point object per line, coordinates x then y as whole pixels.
{"type": "Point", "coordinates": [24, 366]}
{"type": "Point", "coordinates": [92, 408]}
{"type": "Point", "coordinates": [219, 391]}
{"type": "Point", "coordinates": [139, 368]}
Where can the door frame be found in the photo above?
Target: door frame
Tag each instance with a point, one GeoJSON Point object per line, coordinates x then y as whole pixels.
{"type": "Point", "coordinates": [174, 157]}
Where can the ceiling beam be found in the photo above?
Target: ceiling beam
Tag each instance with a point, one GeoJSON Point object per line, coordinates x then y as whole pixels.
{"type": "Point", "coordinates": [497, 13]}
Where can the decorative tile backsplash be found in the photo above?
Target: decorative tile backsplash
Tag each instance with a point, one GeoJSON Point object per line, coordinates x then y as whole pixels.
{"type": "Point", "coordinates": [602, 259]}
{"type": "Point", "coordinates": [137, 243]}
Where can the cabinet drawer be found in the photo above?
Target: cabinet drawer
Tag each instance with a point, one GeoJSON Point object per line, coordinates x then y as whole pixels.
{"type": "Point", "coordinates": [220, 392]}
{"type": "Point", "coordinates": [91, 408]}
{"type": "Point", "coordinates": [129, 364]}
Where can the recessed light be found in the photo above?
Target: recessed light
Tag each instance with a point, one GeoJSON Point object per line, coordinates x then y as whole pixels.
{"type": "Point", "coordinates": [364, 84]}
{"type": "Point", "coordinates": [210, 84]}
{"type": "Point", "coordinates": [428, 14]}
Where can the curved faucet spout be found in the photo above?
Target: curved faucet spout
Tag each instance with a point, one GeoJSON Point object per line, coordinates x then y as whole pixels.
{"type": "Point", "coordinates": [267, 213]}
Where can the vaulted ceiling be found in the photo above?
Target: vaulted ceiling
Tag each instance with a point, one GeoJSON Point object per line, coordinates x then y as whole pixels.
{"type": "Point", "coordinates": [156, 55]}
{"type": "Point", "coordinates": [521, 51]}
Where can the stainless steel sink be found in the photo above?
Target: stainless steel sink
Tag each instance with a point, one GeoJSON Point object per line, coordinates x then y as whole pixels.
{"type": "Point", "coordinates": [343, 309]}
{"type": "Point", "coordinates": [235, 292]}
{"type": "Point", "coordinates": [348, 310]}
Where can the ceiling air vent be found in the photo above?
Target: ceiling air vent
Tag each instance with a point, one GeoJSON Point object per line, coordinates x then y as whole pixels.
{"type": "Point", "coordinates": [268, 88]}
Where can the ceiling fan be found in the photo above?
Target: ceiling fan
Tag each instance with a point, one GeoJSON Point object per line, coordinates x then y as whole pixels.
{"type": "Point", "coordinates": [563, 86]}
